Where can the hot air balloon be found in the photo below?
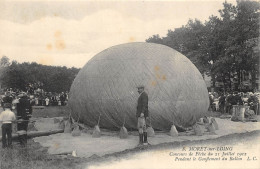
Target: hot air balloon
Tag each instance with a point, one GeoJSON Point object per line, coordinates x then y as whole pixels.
{"type": "Point", "coordinates": [104, 91]}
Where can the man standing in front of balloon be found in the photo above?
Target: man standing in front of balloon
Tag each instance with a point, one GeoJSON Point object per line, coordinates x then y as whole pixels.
{"type": "Point", "coordinates": [142, 114]}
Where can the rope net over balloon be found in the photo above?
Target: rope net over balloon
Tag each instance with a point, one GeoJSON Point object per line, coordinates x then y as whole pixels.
{"type": "Point", "coordinates": [106, 86]}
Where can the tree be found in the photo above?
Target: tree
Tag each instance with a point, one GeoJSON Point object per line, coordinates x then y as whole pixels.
{"type": "Point", "coordinates": [247, 37]}
{"type": "Point", "coordinates": [155, 39]}
{"type": "Point", "coordinates": [224, 46]}
{"type": "Point", "coordinates": [13, 77]}
{"type": "Point", "coordinates": [49, 78]}
{"type": "Point", "coordinates": [188, 40]}
{"type": "Point", "coordinates": [4, 62]}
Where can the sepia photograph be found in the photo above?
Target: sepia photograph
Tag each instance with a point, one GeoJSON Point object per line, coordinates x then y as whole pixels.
{"type": "Point", "coordinates": [109, 84]}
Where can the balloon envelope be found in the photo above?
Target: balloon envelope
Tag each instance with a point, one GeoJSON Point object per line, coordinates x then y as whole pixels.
{"type": "Point", "coordinates": [106, 87]}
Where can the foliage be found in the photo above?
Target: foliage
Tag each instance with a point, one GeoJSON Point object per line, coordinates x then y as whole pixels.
{"type": "Point", "coordinates": [223, 46]}
{"type": "Point", "coordinates": [53, 78]}
{"type": "Point", "coordinates": [4, 61]}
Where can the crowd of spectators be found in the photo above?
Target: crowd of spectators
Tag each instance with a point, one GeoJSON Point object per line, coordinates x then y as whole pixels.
{"type": "Point", "coordinates": [38, 97]}
{"type": "Point", "coordinates": [223, 102]}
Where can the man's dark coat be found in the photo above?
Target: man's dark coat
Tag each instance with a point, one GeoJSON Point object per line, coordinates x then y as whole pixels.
{"type": "Point", "coordinates": [142, 105]}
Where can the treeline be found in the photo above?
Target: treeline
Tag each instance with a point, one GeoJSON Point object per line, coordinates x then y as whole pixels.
{"type": "Point", "coordinates": [224, 47]}
{"type": "Point", "coordinates": [49, 78]}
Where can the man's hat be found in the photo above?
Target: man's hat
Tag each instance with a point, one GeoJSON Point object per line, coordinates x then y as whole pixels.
{"type": "Point", "coordinates": [7, 105]}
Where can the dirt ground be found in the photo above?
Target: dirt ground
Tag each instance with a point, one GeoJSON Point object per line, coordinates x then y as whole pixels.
{"type": "Point", "coordinates": [87, 146]}
{"type": "Point", "coordinates": [160, 156]}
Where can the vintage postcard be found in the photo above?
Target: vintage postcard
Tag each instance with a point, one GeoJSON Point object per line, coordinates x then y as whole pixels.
{"type": "Point", "coordinates": [129, 84]}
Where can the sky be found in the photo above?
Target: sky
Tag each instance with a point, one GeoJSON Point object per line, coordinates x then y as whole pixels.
{"type": "Point", "coordinates": [69, 33]}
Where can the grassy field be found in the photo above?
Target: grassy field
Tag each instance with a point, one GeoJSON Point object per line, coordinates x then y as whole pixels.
{"type": "Point", "coordinates": [34, 156]}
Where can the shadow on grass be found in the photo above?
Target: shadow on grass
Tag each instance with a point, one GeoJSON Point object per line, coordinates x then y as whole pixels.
{"type": "Point", "coordinates": [34, 156]}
